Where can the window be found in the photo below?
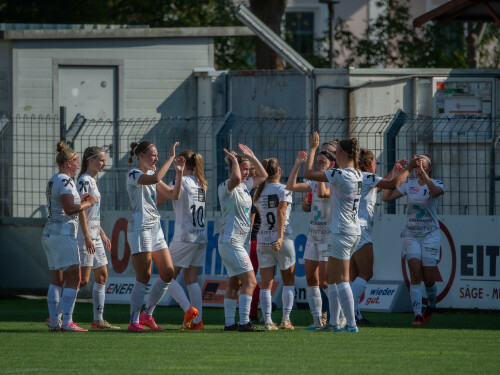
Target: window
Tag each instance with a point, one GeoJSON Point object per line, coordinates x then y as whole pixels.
{"type": "Point", "coordinates": [300, 32]}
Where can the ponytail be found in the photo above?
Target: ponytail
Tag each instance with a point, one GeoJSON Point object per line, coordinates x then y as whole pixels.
{"type": "Point", "coordinates": [195, 161]}
{"type": "Point", "coordinates": [89, 153]}
{"type": "Point", "coordinates": [272, 167]}
{"type": "Point", "coordinates": [349, 146]}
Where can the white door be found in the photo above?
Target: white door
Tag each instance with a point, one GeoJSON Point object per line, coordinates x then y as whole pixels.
{"type": "Point", "coordinates": [89, 91]}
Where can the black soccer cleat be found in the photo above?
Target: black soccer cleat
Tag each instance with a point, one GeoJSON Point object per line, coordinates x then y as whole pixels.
{"type": "Point", "coordinates": [233, 327]}
{"type": "Point", "coordinates": [249, 327]}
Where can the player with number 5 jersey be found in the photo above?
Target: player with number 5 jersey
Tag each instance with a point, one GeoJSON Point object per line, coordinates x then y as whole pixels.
{"type": "Point", "coordinates": [275, 243]}
{"type": "Point", "coordinates": [421, 235]}
{"type": "Point", "coordinates": [189, 243]}
{"type": "Point", "coordinates": [345, 193]}
{"type": "Point", "coordinates": [234, 237]}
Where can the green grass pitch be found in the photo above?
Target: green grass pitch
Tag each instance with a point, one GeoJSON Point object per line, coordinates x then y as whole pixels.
{"type": "Point", "coordinates": [453, 343]}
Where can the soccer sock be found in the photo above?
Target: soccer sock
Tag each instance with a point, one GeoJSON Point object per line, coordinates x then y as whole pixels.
{"type": "Point", "coordinates": [287, 297]}
{"type": "Point", "coordinates": [98, 296]}
{"type": "Point", "coordinates": [266, 304]}
{"type": "Point", "coordinates": [68, 303]}
{"type": "Point", "coordinates": [245, 302]}
{"type": "Point", "coordinates": [416, 298]}
{"type": "Point", "coordinates": [314, 298]}
{"type": "Point", "coordinates": [157, 292]}
{"type": "Point", "coordinates": [136, 301]}
{"type": "Point", "coordinates": [358, 287]}
{"type": "Point", "coordinates": [431, 295]}
{"type": "Point", "coordinates": [325, 305]}
{"type": "Point", "coordinates": [194, 291]}
{"type": "Point", "coordinates": [179, 295]}
{"type": "Point", "coordinates": [334, 303]}
{"type": "Point", "coordinates": [53, 298]}
{"type": "Point", "coordinates": [229, 311]}
{"type": "Point", "coordinates": [347, 302]}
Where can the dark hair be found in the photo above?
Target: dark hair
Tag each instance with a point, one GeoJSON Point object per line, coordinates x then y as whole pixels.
{"type": "Point", "coordinates": [64, 154]}
{"type": "Point", "coordinates": [366, 158]}
{"type": "Point", "coordinates": [349, 146]}
{"type": "Point", "coordinates": [195, 161]}
{"type": "Point", "coordinates": [240, 157]}
{"type": "Point", "coordinates": [137, 148]}
{"type": "Point", "coordinates": [272, 167]}
{"type": "Point", "coordinates": [90, 152]}
{"type": "Point", "coordinates": [329, 155]}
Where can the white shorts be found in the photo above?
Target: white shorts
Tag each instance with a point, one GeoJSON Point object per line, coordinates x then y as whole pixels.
{"type": "Point", "coordinates": [96, 260]}
{"type": "Point", "coordinates": [424, 248]}
{"type": "Point", "coordinates": [316, 251]}
{"type": "Point", "coordinates": [366, 238]}
{"type": "Point", "coordinates": [235, 258]}
{"type": "Point", "coordinates": [147, 241]}
{"type": "Point", "coordinates": [341, 246]}
{"type": "Point", "coordinates": [185, 254]}
{"type": "Point", "coordinates": [284, 258]}
{"type": "Point", "coordinates": [61, 251]}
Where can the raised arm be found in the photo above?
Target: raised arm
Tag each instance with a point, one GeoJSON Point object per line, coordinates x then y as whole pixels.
{"type": "Point", "coordinates": [235, 176]}
{"type": "Point", "coordinates": [309, 172]}
{"type": "Point", "coordinates": [260, 172]}
{"type": "Point", "coordinates": [292, 184]}
{"type": "Point", "coordinates": [164, 191]}
{"type": "Point", "coordinates": [433, 189]}
{"type": "Point", "coordinates": [157, 176]}
{"type": "Point", "coordinates": [397, 175]}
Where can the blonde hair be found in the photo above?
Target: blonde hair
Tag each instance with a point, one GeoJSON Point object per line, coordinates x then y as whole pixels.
{"type": "Point", "coordinates": [64, 154]}
{"type": "Point", "coordinates": [349, 146]}
{"type": "Point", "coordinates": [195, 161]}
{"type": "Point", "coordinates": [272, 167]}
{"type": "Point", "coordinates": [137, 148]}
{"type": "Point", "coordinates": [89, 153]}
{"type": "Point", "coordinates": [241, 158]}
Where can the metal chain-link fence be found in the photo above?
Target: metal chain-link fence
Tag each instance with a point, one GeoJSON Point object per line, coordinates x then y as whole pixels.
{"type": "Point", "coordinates": [465, 153]}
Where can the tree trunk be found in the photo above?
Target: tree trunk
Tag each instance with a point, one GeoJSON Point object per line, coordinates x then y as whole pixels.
{"type": "Point", "coordinates": [474, 35]}
{"type": "Point", "coordinates": [271, 13]}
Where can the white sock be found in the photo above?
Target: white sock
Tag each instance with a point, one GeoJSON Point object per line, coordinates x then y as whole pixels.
{"type": "Point", "coordinates": [245, 303]}
{"type": "Point", "coordinates": [287, 297]}
{"type": "Point", "coordinates": [68, 303]}
{"type": "Point", "coordinates": [431, 295]}
{"type": "Point", "coordinates": [194, 291]}
{"type": "Point", "coordinates": [229, 311]}
{"type": "Point", "coordinates": [314, 298]}
{"type": "Point", "coordinates": [358, 287]}
{"type": "Point", "coordinates": [157, 292]}
{"type": "Point", "coordinates": [347, 302]}
{"type": "Point", "coordinates": [265, 301]}
{"type": "Point", "coordinates": [333, 302]}
{"type": "Point", "coordinates": [416, 298]}
{"type": "Point", "coordinates": [98, 296]}
{"type": "Point", "coordinates": [179, 295]}
{"type": "Point", "coordinates": [136, 301]}
{"type": "Point", "coordinates": [53, 298]}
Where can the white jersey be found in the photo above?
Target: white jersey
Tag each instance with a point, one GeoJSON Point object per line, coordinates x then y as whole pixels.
{"type": "Point", "coordinates": [368, 199]}
{"type": "Point", "coordinates": [421, 214]}
{"type": "Point", "coordinates": [87, 185]}
{"type": "Point", "coordinates": [321, 215]}
{"type": "Point", "coordinates": [345, 193]}
{"type": "Point", "coordinates": [143, 201]}
{"type": "Point", "coordinates": [57, 221]}
{"type": "Point", "coordinates": [189, 212]}
{"type": "Point", "coordinates": [235, 212]}
{"type": "Point", "coordinates": [268, 202]}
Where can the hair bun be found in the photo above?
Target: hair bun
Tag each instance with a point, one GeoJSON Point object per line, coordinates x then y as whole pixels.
{"type": "Point", "coordinates": [61, 146]}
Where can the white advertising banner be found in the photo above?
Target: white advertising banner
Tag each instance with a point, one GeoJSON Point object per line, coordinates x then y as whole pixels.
{"type": "Point", "coordinates": [468, 272]}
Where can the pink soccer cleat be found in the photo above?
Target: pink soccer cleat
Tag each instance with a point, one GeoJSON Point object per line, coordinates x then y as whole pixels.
{"type": "Point", "coordinates": [72, 327]}
{"type": "Point", "coordinates": [149, 321]}
{"type": "Point", "coordinates": [136, 327]}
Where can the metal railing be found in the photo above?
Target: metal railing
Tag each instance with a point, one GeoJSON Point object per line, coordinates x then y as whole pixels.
{"type": "Point", "coordinates": [465, 153]}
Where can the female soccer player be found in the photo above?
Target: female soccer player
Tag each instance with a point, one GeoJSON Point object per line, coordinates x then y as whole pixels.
{"type": "Point", "coordinates": [274, 243]}
{"type": "Point", "coordinates": [59, 238]}
{"type": "Point", "coordinates": [315, 257]}
{"type": "Point", "coordinates": [91, 238]}
{"type": "Point", "coordinates": [361, 266]}
{"type": "Point", "coordinates": [421, 236]}
{"type": "Point", "coordinates": [235, 202]}
{"type": "Point", "coordinates": [345, 190]}
{"type": "Point", "coordinates": [145, 237]}
{"type": "Point", "coordinates": [189, 244]}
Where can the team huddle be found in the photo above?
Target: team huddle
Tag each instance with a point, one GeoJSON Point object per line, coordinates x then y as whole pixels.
{"type": "Point", "coordinates": [341, 196]}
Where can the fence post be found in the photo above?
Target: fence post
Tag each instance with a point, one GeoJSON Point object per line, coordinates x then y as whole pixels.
{"type": "Point", "coordinates": [391, 133]}
{"type": "Point", "coordinates": [493, 176]}
{"type": "Point", "coordinates": [62, 123]}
